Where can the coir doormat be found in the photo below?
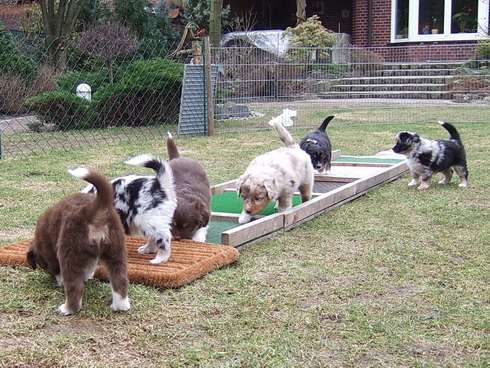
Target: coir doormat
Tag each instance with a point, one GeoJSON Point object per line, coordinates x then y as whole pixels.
{"type": "Point", "coordinates": [189, 260]}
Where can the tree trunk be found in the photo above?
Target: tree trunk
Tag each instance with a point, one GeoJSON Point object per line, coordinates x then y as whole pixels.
{"type": "Point", "coordinates": [59, 19]}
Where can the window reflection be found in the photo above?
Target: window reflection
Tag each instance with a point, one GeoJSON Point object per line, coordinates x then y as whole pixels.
{"type": "Point", "coordinates": [431, 17]}
{"type": "Point", "coordinates": [464, 17]}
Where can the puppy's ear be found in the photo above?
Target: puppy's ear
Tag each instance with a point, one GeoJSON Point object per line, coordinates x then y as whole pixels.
{"type": "Point", "coordinates": [239, 186]}
{"type": "Point", "coordinates": [202, 213]}
{"type": "Point", "coordinates": [416, 138]}
{"type": "Point", "coordinates": [271, 189]}
{"type": "Point", "coordinates": [31, 258]}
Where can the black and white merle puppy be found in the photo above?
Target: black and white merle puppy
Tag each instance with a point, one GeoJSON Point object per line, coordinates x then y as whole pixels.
{"type": "Point", "coordinates": [425, 157]}
{"type": "Point", "coordinates": [317, 144]}
{"type": "Point", "coordinates": [146, 204]}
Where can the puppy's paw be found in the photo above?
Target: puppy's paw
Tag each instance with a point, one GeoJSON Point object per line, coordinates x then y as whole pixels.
{"type": "Point", "coordinates": [244, 218]}
{"type": "Point", "coordinates": [144, 249]}
{"type": "Point", "coordinates": [200, 234]}
{"type": "Point", "coordinates": [413, 183]}
{"type": "Point", "coordinates": [162, 256]}
{"type": "Point", "coordinates": [120, 304]}
{"type": "Point", "coordinates": [64, 310]}
{"type": "Point", "coordinates": [59, 280]}
{"type": "Point", "coordinates": [463, 185]}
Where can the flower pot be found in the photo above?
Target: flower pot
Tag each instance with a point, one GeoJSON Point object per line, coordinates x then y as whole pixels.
{"type": "Point", "coordinates": [434, 31]}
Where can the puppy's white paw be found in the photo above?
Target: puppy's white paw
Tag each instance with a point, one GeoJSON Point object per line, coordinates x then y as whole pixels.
{"type": "Point", "coordinates": [59, 280]}
{"type": "Point", "coordinates": [144, 249]}
{"type": "Point", "coordinates": [200, 234]}
{"type": "Point", "coordinates": [119, 303]}
{"type": "Point", "coordinates": [413, 183]}
{"type": "Point", "coordinates": [64, 310]}
{"type": "Point", "coordinates": [244, 218]}
{"type": "Point", "coordinates": [162, 256]}
{"type": "Point", "coordinates": [463, 185]}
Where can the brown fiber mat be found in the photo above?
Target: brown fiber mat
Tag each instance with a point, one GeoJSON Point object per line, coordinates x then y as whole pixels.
{"type": "Point", "coordinates": [189, 261]}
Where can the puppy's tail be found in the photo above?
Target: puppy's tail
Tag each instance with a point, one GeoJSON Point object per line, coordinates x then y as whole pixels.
{"type": "Point", "coordinates": [323, 126]}
{"type": "Point", "coordinates": [161, 168]}
{"type": "Point", "coordinates": [172, 149]}
{"type": "Point", "coordinates": [284, 135]}
{"type": "Point", "coordinates": [105, 194]}
{"type": "Point", "coordinates": [451, 129]}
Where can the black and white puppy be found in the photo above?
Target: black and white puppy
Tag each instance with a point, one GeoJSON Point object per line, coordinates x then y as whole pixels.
{"type": "Point", "coordinates": [317, 144]}
{"type": "Point", "coordinates": [425, 157]}
{"type": "Point", "coordinates": [146, 204]}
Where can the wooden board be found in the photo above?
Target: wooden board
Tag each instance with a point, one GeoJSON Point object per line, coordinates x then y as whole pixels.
{"type": "Point", "coordinates": [350, 177]}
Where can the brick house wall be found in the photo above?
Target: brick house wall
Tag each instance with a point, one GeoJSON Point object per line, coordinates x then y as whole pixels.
{"type": "Point", "coordinates": [380, 27]}
{"type": "Point", "coordinates": [380, 37]}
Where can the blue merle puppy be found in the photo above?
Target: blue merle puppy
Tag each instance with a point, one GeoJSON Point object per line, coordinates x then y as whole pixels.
{"type": "Point", "coordinates": [425, 157]}
{"type": "Point", "coordinates": [146, 204]}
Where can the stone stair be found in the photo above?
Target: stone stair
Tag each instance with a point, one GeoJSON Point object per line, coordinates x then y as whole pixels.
{"type": "Point", "coordinates": [427, 80]}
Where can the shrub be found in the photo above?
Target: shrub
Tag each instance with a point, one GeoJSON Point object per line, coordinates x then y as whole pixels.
{"type": "Point", "coordinates": [312, 34]}
{"type": "Point", "coordinates": [12, 61]}
{"type": "Point", "coordinates": [65, 110]}
{"type": "Point", "coordinates": [137, 97]}
{"type": "Point", "coordinates": [14, 91]}
{"type": "Point", "coordinates": [482, 51]}
{"type": "Point", "coordinates": [68, 82]}
{"type": "Point", "coordinates": [107, 42]}
{"type": "Point", "coordinates": [199, 12]}
{"type": "Point", "coordinates": [143, 93]}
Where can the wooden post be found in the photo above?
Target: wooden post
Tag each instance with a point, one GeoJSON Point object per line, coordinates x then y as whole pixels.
{"type": "Point", "coordinates": [215, 22]}
{"type": "Point", "coordinates": [209, 86]}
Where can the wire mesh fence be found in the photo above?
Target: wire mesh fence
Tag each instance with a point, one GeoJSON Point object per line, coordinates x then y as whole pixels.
{"type": "Point", "coordinates": [69, 98]}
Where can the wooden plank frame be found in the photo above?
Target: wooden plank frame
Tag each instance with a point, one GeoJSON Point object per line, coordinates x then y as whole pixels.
{"type": "Point", "coordinates": [364, 177]}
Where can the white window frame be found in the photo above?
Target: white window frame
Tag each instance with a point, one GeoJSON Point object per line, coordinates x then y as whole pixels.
{"type": "Point", "coordinates": [413, 26]}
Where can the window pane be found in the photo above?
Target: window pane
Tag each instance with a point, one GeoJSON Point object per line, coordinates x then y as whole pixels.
{"type": "Point", "coordinates": [464, 17]}
{"type": "Point", "coordinates": [401, 25]}
{"type": "Point", "coordinates": [431, 16]}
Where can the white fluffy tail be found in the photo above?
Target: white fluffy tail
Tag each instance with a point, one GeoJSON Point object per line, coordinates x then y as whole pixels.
{"type": "Point", "coordinates": [161, 168]}
{"type": "Point", "coordinates": [79, 172]}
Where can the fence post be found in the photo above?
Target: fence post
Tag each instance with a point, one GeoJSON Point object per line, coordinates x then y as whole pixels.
{"type": "Point", "coordinates": [209, 86]}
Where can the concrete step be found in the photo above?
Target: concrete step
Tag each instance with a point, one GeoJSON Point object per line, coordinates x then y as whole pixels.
{"type": "Point", "coordinates": [394, 80]}
{"type": "Point", "coordinates": [411, 72]}
{"type": "Point", "coordinates": [424, 66]}
{"type": "Point", "coordinates": [425, 95]}
{"type": "Point", "coordinates": [388, 87]}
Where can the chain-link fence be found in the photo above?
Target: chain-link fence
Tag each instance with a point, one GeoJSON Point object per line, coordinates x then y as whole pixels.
{"type": "Point", "coordinates": [79, 96]}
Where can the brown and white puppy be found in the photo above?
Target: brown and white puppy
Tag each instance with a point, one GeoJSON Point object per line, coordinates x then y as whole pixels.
{"type": "Point", "coordinates": [193, 211]}
{"type": "Point", "coordinates": [318, 145]}
{"type": "Point", "coordinates": [73, 235]}
{"type": "Point", "coordinates": [275, 176]}
{"type": "Point", "coordinates": [425, 157]}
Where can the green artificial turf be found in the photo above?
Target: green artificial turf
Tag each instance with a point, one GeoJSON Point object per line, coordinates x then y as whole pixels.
{"type": "Point", "coordinates": [228, 202]}
{"type": "Point", "coordinates": [216, 228]}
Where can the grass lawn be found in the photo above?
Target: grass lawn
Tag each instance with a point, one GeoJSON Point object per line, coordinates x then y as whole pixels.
{"type": "Point", "coordinates": [396, 278]}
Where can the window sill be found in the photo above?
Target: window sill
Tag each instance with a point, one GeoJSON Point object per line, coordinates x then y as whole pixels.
{"type": "Point", "coordinates": [453, 37]}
